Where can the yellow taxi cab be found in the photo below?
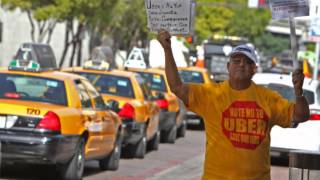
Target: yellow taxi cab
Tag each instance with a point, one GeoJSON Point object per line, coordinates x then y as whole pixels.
{"type": "Point", "coordinates": [173, 111]}
{"type": "Point", "coordinates": [196, 75]}
{"type": "Point", "coordinates": [52, 117]}
{"type": "Point", "coordinates": [130, 97]}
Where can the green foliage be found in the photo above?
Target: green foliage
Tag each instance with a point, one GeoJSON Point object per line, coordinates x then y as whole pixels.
{"type": "Point", "coordinates": [129, 23]}
{"type": "Point", "coordinates": [42, 10]}
{"type": "Point", "coordinates": [270, 44]}
{"type": "Point", "coordinates": [229, 17]}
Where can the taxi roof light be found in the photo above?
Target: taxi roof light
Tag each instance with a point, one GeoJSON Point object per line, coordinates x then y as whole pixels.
{"type": "Point", "coordinates": [24, 65]}
{"type": "Point", "coordinates": [96, 65]}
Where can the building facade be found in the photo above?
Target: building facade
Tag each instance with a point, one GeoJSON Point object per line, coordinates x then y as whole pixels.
{"type": "Point", "coordinates": [15, 29]}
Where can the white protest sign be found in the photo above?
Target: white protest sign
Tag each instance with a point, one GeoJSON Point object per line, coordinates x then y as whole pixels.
{"type": "Point", "coordinates": [172, 15]}
{"type": "Point", "coordinates": [282, 9]}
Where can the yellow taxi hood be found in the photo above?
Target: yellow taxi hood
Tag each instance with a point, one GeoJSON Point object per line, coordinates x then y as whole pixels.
{"type": "Point", "coordinates": [121, 100]}
{"type": "Point", "coordinates": [27, 107]}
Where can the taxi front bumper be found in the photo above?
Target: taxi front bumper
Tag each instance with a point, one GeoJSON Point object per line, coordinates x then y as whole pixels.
{"type": "Point", "coordinates": [37, 148]}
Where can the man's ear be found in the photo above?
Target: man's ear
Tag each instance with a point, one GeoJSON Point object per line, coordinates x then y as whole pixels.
{"type": "Point", "coordinates": [255, 69]}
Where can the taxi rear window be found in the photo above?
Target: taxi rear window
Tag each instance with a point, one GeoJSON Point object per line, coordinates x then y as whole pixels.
{"type": "Point", "coordinates": [191, 76]}
{"type": "Point", "coordinates": [110, 84]}
{"type": "Point", "coordinates": [32, 88]}
{"type": "Point", "coordinates": [154, 81]}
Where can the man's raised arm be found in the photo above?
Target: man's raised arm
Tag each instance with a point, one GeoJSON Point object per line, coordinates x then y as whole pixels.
{"type": "Point", "coordinates": [175, 83]}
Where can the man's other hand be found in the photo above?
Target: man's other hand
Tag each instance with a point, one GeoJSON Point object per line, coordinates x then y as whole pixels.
{"type": "Point", "coordinates": [164, 39]}
{"type": "Point", "coordinates": [297, 80]}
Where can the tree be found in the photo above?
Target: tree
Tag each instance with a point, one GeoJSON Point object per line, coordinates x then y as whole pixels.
{"type": "Point", "coordinates": [270, 44]}
{"type": "Point", "coordinates": [229, 17]}
{"type": "Point", "coordinates": [130, 24]}
{"type": "Point", "coordinates": [80, 13]}
{"type": "Point", "coordinates": [39, 14]}
{"type": "Point", "coordinates": [88, 15]}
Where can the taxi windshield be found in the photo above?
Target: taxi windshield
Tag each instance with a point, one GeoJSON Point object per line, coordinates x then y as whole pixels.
{"type": "Point", "coordinates": [154, 81]}
{"type": "Point", "coordinates": [32, 88]}
{"type": "Point", "coordinates": [110, 84]}
{"type": "Point", "coordinates": [191, 76]}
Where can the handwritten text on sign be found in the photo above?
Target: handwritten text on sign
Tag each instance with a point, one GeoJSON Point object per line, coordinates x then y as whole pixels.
{"type": "Point", "coordinates": [282, 9]}
{"type": "Point", "coordinates": [172, 15]}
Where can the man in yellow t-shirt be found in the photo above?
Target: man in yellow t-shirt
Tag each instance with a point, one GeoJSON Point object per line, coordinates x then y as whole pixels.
{"type": "Point", "coordinates": [238, 115]}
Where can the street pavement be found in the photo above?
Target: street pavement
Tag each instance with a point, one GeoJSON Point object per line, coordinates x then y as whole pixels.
{"type": "Point", "coordinates": [182, 160]}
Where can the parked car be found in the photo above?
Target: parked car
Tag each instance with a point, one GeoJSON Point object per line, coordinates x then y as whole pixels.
{"type": "Point", "coordinates": [303, 137]}
{"type": "Point", "coordinates": [173, 112]}
{"type": "Point", "coordinates": [51, 117]}
{"type": "Point", "coordinates": [195, 75]}
{"type": "Point", "coordinates": [139, 113]}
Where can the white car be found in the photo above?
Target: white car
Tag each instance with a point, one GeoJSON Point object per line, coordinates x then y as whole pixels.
{"type": "Point", "coordinates": [307, 135]}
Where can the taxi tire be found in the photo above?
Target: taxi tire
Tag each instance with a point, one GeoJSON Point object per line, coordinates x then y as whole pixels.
{"type": "Point", "coordinates": [111, 162]}
{"type": "Point", "coordinates": [140, 148]}
{"type": "Point", "coordinates": [73, 170]}
{"type": "Point", "coordinates": [154, 142]}
{"type": "Point", "coordinates": [182, 129]}
{"type": "Point", "coordinates": [170, 136]}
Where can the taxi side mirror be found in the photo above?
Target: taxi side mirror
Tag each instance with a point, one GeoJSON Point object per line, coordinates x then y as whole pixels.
{"type": "Point", "coordinates": [113, 105]}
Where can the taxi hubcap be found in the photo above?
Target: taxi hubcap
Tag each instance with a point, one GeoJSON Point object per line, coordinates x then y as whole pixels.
{"type": "Point", "coordinates": [80, 161]}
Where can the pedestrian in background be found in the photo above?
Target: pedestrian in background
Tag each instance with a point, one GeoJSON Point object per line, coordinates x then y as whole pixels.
{"type": "Point", "coordinates": [238, 114]}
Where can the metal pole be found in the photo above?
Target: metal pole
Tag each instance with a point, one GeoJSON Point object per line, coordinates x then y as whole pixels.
{"type": "Point", "coordinates": [293, 38]}
{"type": "Point", "coordinates": [315, 70]}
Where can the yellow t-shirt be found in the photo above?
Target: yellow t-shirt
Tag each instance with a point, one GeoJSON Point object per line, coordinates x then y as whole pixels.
{"type": "Point", "coordinates": [238, 125]}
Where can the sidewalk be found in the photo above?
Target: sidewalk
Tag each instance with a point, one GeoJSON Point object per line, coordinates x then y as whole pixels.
{"type": "Point", "coordinates": [189, 170]}
{"type": "Point", "coordinates": [192, 170]}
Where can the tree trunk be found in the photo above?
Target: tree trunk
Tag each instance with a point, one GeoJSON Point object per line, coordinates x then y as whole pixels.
{"type": "Point", "coordinates": [74, 47]}
{"type": "Point", "coordinates": [75, 42]}
{"type": "Point", "coordinates": [32, 25]}
{"type": "Point", "coordinates": [79, 58]}
{"type": "Point", "coordinates": [66, 42]}
{"type": "Point", "coordinates": [95, 39]}
{"type": "Point", "coordinates": [50, 32]}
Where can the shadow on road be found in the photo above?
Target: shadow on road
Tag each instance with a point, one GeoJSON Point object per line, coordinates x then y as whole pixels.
{"type": "Point", "coordinates": [27, 171]}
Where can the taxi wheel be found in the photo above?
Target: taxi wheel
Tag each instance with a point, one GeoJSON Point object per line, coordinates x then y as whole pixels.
{"type": "Point", "coordinates": [154, 142]}
{"type": "Point", "coordinates": [170, 135]}
{"type": "Point", "coordinates": [140, 148]}
{"type": "Point", "coordinates": [73, 170]}
{"type": "Point", "coordinates": [182, 129]}
{"type": "Point", "coordinates": [111, 162]}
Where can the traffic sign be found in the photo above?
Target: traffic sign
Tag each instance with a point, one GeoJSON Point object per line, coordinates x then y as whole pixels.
{"type": "Point", "coordinates": [283, 9]}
